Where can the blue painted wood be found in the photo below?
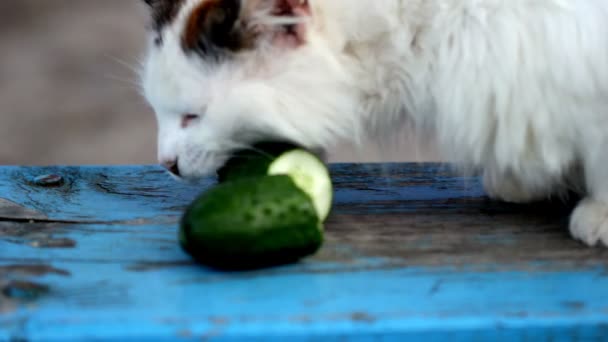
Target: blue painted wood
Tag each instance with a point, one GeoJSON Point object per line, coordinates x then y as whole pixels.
{"type": "Point", "coordinates": [411, 252]}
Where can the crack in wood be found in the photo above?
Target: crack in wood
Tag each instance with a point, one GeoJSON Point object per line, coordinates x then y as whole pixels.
{"type": "Point", "coordinates": [24, 290]}
{"type": "Point", "coordinates": [163, 219]}
{"type": "Point", "coordinates": [31, 270]}
{"type": "Point", "coordinates": [12, 211]}
{"type": "Point", "coordinates": [108, 190]}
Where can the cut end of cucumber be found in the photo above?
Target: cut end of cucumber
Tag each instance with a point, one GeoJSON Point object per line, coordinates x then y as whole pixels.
{"type": "Point", "coordinates": [310, 175]}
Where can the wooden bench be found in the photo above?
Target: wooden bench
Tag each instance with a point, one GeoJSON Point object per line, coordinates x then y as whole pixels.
{"type": "Point", "coordinates": [411, 253]}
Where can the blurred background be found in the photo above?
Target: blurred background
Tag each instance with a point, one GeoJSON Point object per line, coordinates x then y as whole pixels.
{"type": "Point", "coordinates": [68, 89]}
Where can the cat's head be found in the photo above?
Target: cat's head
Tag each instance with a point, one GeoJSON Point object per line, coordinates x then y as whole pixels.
{"type": "Point", "coordinates": [223, 74]}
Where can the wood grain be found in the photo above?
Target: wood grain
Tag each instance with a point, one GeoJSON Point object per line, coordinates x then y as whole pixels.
{"type": "Point", "coordinates": [411, 251]}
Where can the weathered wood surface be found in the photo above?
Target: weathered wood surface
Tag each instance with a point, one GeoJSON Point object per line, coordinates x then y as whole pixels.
{"type": "Point", "coordinates": [411, 252]}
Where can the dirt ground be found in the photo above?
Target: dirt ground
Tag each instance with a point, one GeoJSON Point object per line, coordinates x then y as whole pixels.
{"type": "Point", "coordinates": [68, 91]}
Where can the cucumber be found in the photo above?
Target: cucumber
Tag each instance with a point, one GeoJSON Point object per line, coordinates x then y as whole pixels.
{"type": "Point", "coordinates": [310, 175]}
{"type": "Point", "coordinates": [252, 162]}
{"type": "Point", "coordinates": [308, 172]}
{"type": "Point", "coordinates": [251, 223]}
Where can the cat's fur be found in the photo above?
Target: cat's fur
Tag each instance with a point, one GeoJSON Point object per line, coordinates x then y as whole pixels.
{"type": "Point", "coordinates": [514, 89]}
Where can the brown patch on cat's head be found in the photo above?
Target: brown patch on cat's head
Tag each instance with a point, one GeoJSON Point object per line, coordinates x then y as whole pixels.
{"type": "Point", "coordinates": [216, 26]}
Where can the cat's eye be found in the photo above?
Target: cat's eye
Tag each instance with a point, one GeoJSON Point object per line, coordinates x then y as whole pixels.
{"type": "Point", "coordinates": [189, 119]}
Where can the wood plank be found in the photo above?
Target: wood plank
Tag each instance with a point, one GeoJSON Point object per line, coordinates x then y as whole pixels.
{"type": "Point", "coordinates": [411, 252]}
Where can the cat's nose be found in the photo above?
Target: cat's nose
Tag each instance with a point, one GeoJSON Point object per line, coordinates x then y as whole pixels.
{"type": "Point", "coordinates": [171, 166]}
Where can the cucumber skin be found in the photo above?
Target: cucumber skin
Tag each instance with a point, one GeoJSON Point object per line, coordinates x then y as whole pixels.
{"type": "Point", "coordinates": [216, 230]}
{"type": "Point", "coordinates": [253, 162]}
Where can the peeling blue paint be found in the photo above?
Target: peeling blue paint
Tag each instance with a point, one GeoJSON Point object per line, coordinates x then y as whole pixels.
{"type": "Point", "coordinates": [497, 275]}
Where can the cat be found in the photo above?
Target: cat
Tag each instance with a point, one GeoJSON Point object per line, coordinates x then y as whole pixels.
{"type": "Point", "coordinates": [516, 90]}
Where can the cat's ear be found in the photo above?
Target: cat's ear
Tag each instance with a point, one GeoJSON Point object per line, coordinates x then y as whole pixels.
{"type": "Point", "coordinates": [292, 17]}
{"type": "Point", "coordinates": [163, 12]}
{"type": "Point", "coordinates": [216, 25]}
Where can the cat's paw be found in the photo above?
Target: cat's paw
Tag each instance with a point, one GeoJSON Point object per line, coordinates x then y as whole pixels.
{"type": "Point", "coordinates": [508, 189]}
{"type": "Point", "coordinates": [589, 222]}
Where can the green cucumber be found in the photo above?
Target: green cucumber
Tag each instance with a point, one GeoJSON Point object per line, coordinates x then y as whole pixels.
{"type": "Point", "coordinates": [310, 175]}
{"type": "Point", "coordinates": [251, 223]}
{"type": "Point", "coordinates": [308, 172]}
{"type": "Point", "coordinates": [252, 162]}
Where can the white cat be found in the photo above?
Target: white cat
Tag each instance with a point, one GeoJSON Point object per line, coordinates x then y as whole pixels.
{"type": "Point", "coordinates": [515, 89]}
